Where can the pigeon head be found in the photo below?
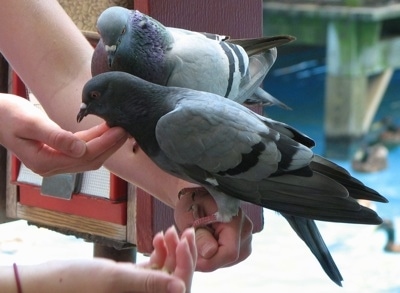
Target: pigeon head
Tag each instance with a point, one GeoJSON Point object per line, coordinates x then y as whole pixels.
{"type": "Point", "coordinates": [100, 94]}
{"type": "Point", "coordinates": [112, 25]}
{"type": "Point", "coordinates": [121, 99]}
{"type": "Point", "coordinates": [132, 42]}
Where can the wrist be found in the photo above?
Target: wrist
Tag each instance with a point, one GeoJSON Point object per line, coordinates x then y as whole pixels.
{"type": "Point", "coordinates": [7, 280]}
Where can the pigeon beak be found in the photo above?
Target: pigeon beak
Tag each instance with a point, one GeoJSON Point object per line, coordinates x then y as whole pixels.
{"type": "Point", "coordinates": [110, 59]}
{"type": "Point", "coordinates": [82, 112]}
{"type": "Point", "coordinates": [110, 54]}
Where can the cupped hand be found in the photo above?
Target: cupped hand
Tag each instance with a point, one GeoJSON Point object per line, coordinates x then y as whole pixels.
{"type": "Point", "coordinates": [46, 148]}
{"type": "Point", "coordinates": [175, 256]}
{"type": "Point", "coordinates": [221, 244]}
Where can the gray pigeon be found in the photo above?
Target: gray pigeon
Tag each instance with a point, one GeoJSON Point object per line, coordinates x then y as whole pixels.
{"type": "Point", "coordinates": [140, 45]}
{"type": "Point", "coordinates": [233, 153]}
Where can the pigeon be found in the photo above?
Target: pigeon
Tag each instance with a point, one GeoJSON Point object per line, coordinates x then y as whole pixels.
{"type": "Point", "coordinates": [235, 154]}
{"type": "Point", "coordinates": [133, 42]}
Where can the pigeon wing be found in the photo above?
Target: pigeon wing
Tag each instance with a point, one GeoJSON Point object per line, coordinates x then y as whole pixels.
{"type": "Point", "coordinates": [221, 67]}
{"type": "Point", "coordinates": [226, 139]}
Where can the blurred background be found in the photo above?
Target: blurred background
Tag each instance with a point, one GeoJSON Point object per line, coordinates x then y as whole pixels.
{"type": "Point", "coordinates": [361, 36]}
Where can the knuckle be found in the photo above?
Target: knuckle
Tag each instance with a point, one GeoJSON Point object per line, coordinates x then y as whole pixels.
{"type": "Point", "coordinates": [150, 284]}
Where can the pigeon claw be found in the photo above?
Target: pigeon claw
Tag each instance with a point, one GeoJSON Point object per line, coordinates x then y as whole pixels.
{"type": "Point", "coordinates": [135, 147]}
{"type": "Point", "coordinates": [190, 190]}
{"type": "Point", "coordinates": [205, 221]}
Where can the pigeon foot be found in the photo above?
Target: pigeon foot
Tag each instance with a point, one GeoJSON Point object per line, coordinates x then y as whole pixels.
{"type": "Point", "coordinates": [190, 190]}
{"type": "Point", "coordinates": [204, 221]}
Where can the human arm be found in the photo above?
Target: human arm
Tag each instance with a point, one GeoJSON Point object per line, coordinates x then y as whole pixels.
{"type": "Point", "coordinates": [56, 68]}
{"type": "Point", "coordinates": [169, 269]}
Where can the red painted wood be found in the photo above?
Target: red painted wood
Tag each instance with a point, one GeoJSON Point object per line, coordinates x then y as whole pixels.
{"type": "Point", "coordinates": [142, 5]}
{"type": "Point", "coordinates": [80, 205]}
{"type": "Point", "coordinates": [237, 18]}
{"type": "Point", "coordinates": [144, 221]}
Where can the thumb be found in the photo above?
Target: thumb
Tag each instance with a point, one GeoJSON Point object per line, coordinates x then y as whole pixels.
{"type": "Point", "coordinates": [48, 132]}
{"type": "Point", "coordinates": [207, 245]}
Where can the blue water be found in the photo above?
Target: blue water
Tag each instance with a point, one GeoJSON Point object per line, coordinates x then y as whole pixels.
{"type": "Point", "coordinates": [298, 79]}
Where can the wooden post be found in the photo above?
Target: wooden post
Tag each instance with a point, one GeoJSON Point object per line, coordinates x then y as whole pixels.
{"type": "Point", "coordinates": [3, 151]}
{"type": "Point", "coordinates": [236, 18]}
{"type": "Point", "coordinates": [362, 45]}
{"type": "Point", "coordinates": [121, 255]}
{"type": "Point", "coordinates": [349, 45]}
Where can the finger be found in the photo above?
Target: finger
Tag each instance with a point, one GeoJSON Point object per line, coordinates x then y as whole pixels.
{"type": "Point", "coordinates": [171, 241]}
{"type": "Point", "coordinates": [159, 254]}
{"type": "Point", "coordinates": [246, 239]}
{"type": "Point", "coordinates": [207, 245]}
{"type": "Point", "coordinates": [49, 133]}
{"type": "Point", "coordinates": [47, 161]}
{"type": "Point", "coordinates": [108, 140]}
{"type": "Point", "coordinates": [229, 245]}
{"type": "Point", "coordinates": [190, 235]}
{"type": "Point", "coordinates": [98, 151]}
{"type": "Point", "coordinates": [150, 281]}
{"type": "Point", "coordinates": [92, 132]}
{"type": "Point", "coordinates": [185, 264]}
{"type": "Point", "coordinates": [42, 159]}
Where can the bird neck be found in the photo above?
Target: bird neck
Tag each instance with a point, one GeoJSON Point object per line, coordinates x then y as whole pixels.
{"type": "Point", "coordinates": [150, 42]}
{"type": "Point", "coordinates": [142, 114]}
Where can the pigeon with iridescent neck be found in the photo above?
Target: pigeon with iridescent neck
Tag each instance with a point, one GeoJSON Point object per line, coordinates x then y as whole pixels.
{"type": "Point", "coordinates": [133, 42]}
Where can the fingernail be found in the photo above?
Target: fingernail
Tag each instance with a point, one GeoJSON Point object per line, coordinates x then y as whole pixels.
{"type": "Point", "coordinates": [176, 286]}
{"type": "Point", "coordinates": [207, 250]}
{"type": "Point", "coordinates": [190, 232]}
{"type": "Point", "coordinates": [172, 228]}
{"type": "Point", "coordinates": [78, 148]}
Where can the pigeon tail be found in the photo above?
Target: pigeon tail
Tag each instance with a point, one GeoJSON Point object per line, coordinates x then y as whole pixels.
{"type": "Point", "coordinates": [308, 231]}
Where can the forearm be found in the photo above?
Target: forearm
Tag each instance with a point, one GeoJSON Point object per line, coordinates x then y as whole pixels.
{"type": "Point", "coordinates": [54, 276]}
{"type": "Point", "coordinates": [35, 278]}
{"type": "Point", "coordinates": [138, 169]}
{"type": "Point", "coordinates": [31, 279]}
{"type": "Point", "coordinates": [7, 280]}
{"type": "Point", "coordinates": [49, 53]}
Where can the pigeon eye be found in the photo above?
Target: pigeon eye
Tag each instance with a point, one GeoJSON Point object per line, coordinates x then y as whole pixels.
{"type": "Point", "coordinates": [95, 95]}
{"type": "Point", "coordinates": [123, 30]}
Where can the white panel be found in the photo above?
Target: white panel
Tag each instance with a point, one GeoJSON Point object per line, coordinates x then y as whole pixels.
{"type": "Point", "coordinates": [94, 183]}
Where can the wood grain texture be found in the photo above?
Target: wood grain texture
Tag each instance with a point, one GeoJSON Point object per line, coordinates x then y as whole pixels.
{"type": "Point", "coordinates": [11, 192]}
{"type": "Point", "coordinates": [3, 184]}
{"type": "Point", "coordinates": [72, 222]}
{"type": "Point", "coordinates": [131, 235]}
{"type": "Point", "coordinates": [236, 18]}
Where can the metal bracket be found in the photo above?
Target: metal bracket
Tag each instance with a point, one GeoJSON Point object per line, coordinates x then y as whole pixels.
{"type": "Point", "coordinates": [62, 185]}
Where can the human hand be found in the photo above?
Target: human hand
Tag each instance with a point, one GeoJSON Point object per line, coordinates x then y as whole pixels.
{"type": "Point", "coordinates": [175, 256]}
{"type": "Point", "coordinates": [170, 269]}
{"type": "Point", "coordinates": [46, 148]}
{"type": "Point", "coordinates": [224, 244]}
